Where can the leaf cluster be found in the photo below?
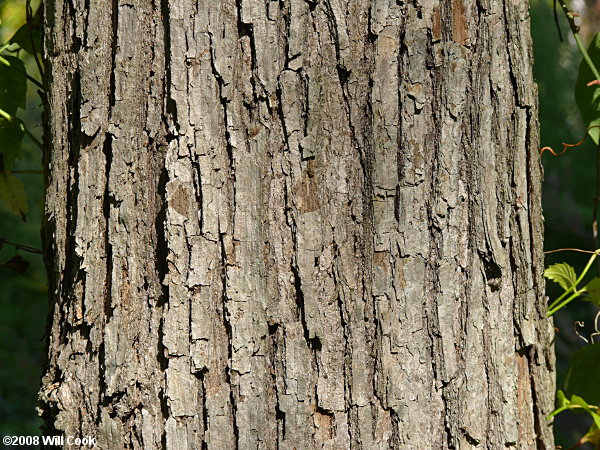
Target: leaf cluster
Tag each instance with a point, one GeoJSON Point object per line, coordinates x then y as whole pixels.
{"type": "Point", "coordinates": [13, 97]}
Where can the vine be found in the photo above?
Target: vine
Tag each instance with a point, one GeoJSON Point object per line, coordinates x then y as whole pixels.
{"type": "Point", "coordinates": [581, 391]}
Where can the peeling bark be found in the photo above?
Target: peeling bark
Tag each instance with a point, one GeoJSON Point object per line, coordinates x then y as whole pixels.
{"type": "Point", "coordinates": [295, 224]}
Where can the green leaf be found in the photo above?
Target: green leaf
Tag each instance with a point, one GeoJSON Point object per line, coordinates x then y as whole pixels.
{"type": "Point", "coordinates": [561, 273]}
{"type": "Point", "coordinates": [582, 374]}
{"type": "Point", "coordinates": [592, 436]}
{"type": "Point", "coordinates": [592, 291]}
{"type": "Point", "coordinates": [561, 399]}
{"type": "Point", "coordinates": [588, 97]}
{"type": "Point", "coordinates": [24, 39]}
{"type": "Point", "coordinates": [12, 193]}
{"type": "Point", "coordinates": [11, 137]}
{"type": "Point", "coordinates": [577, 400]}
{"type": "Point", "coordinates": [562, 403]}
{"type": "Point", "coordinates": [13, 85]}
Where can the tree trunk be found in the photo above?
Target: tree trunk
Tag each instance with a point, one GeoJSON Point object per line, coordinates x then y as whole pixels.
{"type": "Point", "coordinates": [295, 224]}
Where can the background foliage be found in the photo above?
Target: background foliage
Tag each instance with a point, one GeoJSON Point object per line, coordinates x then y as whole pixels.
{"type": "Point", "coordinates": [23, 299]}
{"type": "Point", "coordinates": [569, 182]}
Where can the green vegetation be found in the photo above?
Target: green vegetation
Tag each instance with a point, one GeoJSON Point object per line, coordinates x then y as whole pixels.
{"type": "Point", "coordinates": [580, 390]}
{"type": "Point", "coordinates": [23, 299]}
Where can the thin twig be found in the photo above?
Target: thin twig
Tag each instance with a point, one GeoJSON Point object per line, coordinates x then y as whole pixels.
{"type": "Point", "coordinates": [597, 252]}
{"type": "Point", "coordinates": [575, 326]}
{"type": "Point", "coordinates": [25, 248]}
{"type": "Point", "coordinates": [570, 15]}
{"type": "Point", "coordinates": [596, 332]}
{"type": "Point", "coordinates": [595, 209]}
{"type": "Point", "coordinates": [566, 146]}
{"type": "Point", "coordinates": [29, 16]}
{"type": "Point", "coordinates": [560, 38]}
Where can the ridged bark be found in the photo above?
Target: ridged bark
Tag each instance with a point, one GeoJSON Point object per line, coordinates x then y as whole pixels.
{"type": "Point", "coordinates": [295, 224]}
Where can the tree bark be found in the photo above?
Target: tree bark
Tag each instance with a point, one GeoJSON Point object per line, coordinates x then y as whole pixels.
{"type": "Point", "coordinates": [295, 224]}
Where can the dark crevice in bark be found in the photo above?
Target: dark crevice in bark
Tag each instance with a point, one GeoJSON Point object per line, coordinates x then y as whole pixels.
{"type": "Point", "coordinates": [247, 30]}
{"type": "Point", "coordinates": [434, 256]}
{"type": "Point", "coordinates": [343, 76]}
{"type": "Point", "coordinates": [229, 332]}
{"type": "Point", "coordinates": [319, 409]}
{"type": "Point", "coordinates": [538, 422]}
{"type": "Point", "coordinates": [224, 102]}
{"type": "Point", "coordinates": [400, 135]}
{"type": "Point", "coordinates": [514, 267]}
{"type": "Point", "coordinates": [86, 8]}
{"type": "Point", "coordinates": [281, 115]}
{"type": "Point", "coordinates": [323, 411]}
{"type": "Point", "coordinates": [113, 399]}
{"type": "Point", "coordinates": [170, 106]}
{"type": "Point", "coordinates": [201, 377]}
{"type": "Point", "coordinates": [376, 359]}
{"type": "Point", "coordinates": [490, 376]}
{"type": "Point", "coordinates": [439, 375]}
{"type": "Point", "coordinates": [286, 14]}
{"type": "Point", "coordinates": [305, 104]}
{"type": "Point", "coordinates": [162, 397]}
{"type": "Point", "coordinates": [492, 271]}
{"type": "Point", "coordinates": [534, 251]}
{"type": "Point", "coordinates": [101, 380]}
{"type": "Point", "coordinates": [347, 366]}
{"type": "Point", "coordinates": [197, 174]}
{"type": "Point", "coordinates": [333, 30]}
{"type": "Point", "coordinates": [244, 29]}
{"type": "Point", "coordinates": [161, 268]}
{"type": "Point", "coordinates": [300, 300]}
{"type": "Point", "coordinates": [470, 439]}
{"type": "Point", "coordinates": [511, 73]}
{"type": "Point", "coordinates": [280, 417]}
{"type": "Point", "coordinates": [75, 42]}
{"type": "Point", "coordinates": [351, 409]}
{"type": "Point", "coordinates": [106, 203]}
{"type": "Point", "coordinates": [273, 328]}
{"type": "Point", "coordinates": [275, 334]}
{"type": "Point", "coordinates": [114, 43]}
{"type": "Point", "coordinates": [161, 253]}
{"type": "Point", "coordinates": [371, 325]}
{"type": "Point", "coordinates": [72, 260]}
{"type": "Point", "coordinates": [395, 440]}
{"type": "Point", "coordinates": [397, 205]}
{"type": "Point", "coordinates": [108, 155]}
{"type": "Point", "coordinates": [371, 35]}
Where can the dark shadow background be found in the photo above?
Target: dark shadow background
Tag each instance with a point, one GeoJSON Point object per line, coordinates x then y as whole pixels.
{"type": "Point", "coordinates": [568, 196]}
{"type": "Point", "coordinates": [23, 297]}
{"type": "Point", "coordinates": [569, 181]}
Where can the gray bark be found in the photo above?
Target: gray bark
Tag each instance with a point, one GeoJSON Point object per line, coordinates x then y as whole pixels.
{"type": "Point", "coordinates": [295, 224]}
